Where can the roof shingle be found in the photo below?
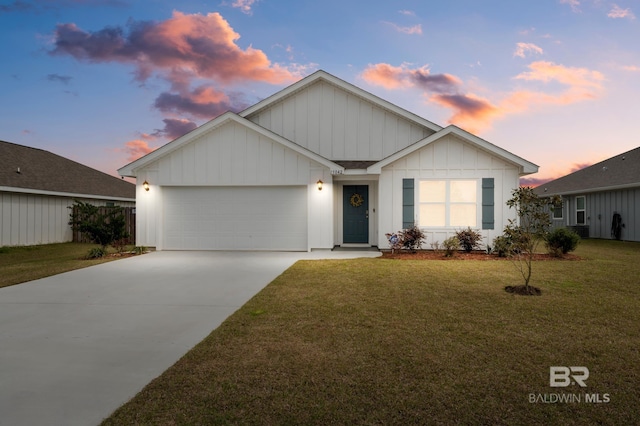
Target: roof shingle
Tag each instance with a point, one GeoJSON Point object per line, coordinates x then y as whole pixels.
{"type": "Point", "coordinates": [620, 171]}
{"type": "Point", "coordinates": [37, 169]}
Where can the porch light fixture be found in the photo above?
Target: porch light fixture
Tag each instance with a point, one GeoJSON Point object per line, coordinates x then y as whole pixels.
{"type": "Point", "coordinates": [145, 185]}
{"type": "Point", "coordinates": [319, 183]}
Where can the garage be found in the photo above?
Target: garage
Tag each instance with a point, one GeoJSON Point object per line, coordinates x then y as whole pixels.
{"type": "Point", "coordinates": [235, 218]}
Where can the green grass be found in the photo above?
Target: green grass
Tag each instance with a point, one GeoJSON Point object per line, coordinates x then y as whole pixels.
{"type": "Point", "coordinates": [375, 341]}
{"type": "Point", "coordinates": [26, 263]}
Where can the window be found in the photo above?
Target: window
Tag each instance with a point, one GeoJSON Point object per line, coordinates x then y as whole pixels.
{"type": "Point", "coordinates": [557, 210]}
{"type": "Point", "coordinates": [580, 211]}
{"type": "Point", "coordinates": [448, 203]}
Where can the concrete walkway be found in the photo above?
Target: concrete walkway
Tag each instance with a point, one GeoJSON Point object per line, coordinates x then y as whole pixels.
{"type": "Point", "coordinates": [76, 346]}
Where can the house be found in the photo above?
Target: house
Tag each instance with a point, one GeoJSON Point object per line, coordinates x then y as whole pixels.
{"type": "Point", "coordinates": [37, 187]}
{"type": "Point", "coordinates": [320, 164]}
{"type": "Point", "coordinates": [600, 201]}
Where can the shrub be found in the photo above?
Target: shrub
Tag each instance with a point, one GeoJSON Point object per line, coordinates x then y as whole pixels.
{"type": "Point", "coordinates": [103, 226]}
{"type": "Point", "coordinates": [450, 246]}
{"type": "Point", "coordinates": [469, 239]}
{"type": "Point", "coordinates": [409, 239]}
{"type": "Point", "coordinates": [139, 250]}
{"type": "Point", "coordinates": [413, 238]}
{"type": "Point", "coordinates": [502, 246]}
{"type": "Point", "coordinates": [96, 253]}
{"type": "Point", "coordinates": [561, 241]}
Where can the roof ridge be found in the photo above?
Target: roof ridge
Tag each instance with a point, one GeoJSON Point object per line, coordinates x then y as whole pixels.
{"type": "Point", "coordinates": [24, 146]}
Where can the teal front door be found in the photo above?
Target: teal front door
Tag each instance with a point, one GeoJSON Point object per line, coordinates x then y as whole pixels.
{"type": "Point", "coordinates": [355, 217]}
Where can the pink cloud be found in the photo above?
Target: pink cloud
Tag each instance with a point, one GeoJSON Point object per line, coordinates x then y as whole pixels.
{"type": "Point", "coordinates": [173, 128]}
{"type": "Point", "coordinates": [203, 102]}
{"type": "Point", "coordinates": [391, 77]}
{"type": "Point", "coordinates": [578, 166]}
{"type": "Point", "coordinates": [414, 29]}
{"type": "Point", "coordinates": [575, 4]}
{"type": "Point", "coordinates": [407, 12]}
{"type": "Point", "coordinates": [195, 54]}
{"type": "Point", "coordinates": [244, 5]}
{"type": "Point", "coordinates": [470, 111]}
{"type": "Point", "coordinates": [633, 68]}
{"type": "Point", "coordinates": [575, 77]}
{"type": "Point", "coordinates": [136, 149]}
{"type": "Point", "coordinates": [619, 13]}
{"type": "Point", "coordinates": [537, 181]}
{"type": "Point", "coordinates": [203, 46]}
{"type": "Point", "coordinates": [475, 113]}
{"type": "Point", "coordinates": [523, 48]}
{"type": "Point", "coordinates": [534, 181]}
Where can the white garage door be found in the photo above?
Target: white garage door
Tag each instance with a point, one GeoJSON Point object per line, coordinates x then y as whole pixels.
{"type": "Point", "coordinates": [235, 218]}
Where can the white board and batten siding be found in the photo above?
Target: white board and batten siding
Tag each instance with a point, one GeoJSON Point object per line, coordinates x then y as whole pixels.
{"type": "Point", "coordinates": [447, 158]}
{"type": "Point", "coordinates": [229, 180]}
{"type": "Point", "coordinates": [29, 219]}
{"type": "Point", "coordinates": [339, 125]}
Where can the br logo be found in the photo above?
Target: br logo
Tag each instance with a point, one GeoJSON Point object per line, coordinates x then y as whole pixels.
{"type": "Point", "coordinates": [561, 377]}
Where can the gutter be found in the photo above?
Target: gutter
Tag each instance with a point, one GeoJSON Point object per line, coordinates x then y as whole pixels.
{"type": "Point", "coordinates": [62, 194]}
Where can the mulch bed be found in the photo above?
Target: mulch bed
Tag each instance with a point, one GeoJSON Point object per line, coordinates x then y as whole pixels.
{"type": "Point", "coordinates": [523, 291]}
{"type": "Point", "coordinates": [461, 255]}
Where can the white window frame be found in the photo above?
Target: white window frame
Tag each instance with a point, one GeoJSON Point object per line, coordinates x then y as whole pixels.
{"type": "Point", "coordinates": [583, 210]}
{"type": "Point", "coordinates": [447, 203]}
{"type": "Point", "coordinates": [555, 208]}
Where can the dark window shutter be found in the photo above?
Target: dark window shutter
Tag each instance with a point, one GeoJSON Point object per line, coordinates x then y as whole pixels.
{"type": "Point", "coordinates": [488, 204]}
{"type": "Point", "coordinates": [408, 203]}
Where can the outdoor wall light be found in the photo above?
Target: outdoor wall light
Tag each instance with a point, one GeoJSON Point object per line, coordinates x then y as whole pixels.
{"type": "Point", "coordinates": [319, 183]}
{"type": "Point", "coordinates": [145, 185]}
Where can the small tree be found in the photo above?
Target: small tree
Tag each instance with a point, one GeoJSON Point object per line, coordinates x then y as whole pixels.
{"type": "Point", "coordinates": [526, 231]}
{"type": "Point", "coordinates": [103, 228]}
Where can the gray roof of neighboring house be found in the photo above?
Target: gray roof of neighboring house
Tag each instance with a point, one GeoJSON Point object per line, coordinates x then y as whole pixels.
{"type": "Point", "coordinates": [616, 172]}
{"type": "Point", "coordinates": [39, 170]}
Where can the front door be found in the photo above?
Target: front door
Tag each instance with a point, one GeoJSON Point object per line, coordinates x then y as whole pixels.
{"type": "Point", "coordinates": [355, 217]}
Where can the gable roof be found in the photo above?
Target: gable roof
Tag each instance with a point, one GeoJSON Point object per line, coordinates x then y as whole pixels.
{"type": "Point", "coordinates": [526, 167]}
{"type": "Point", "coordinates": [339, 166]}
{"type": "Point", "coordinates": [348, 87]}
{"type": "Point", "coordinates": [33, 170]}
{"type": "Point", "coordinates": [621, 171]}
{"type": "Point", "coordinates": [130, 169]}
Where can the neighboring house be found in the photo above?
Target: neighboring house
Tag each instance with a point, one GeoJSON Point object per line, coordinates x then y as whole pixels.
{"type": "Point", "coordinates": [37, 187]}
{"type": "Point", "coordinates": [320, 164]}
{"type": "Point", "coordinates": [600, 201]}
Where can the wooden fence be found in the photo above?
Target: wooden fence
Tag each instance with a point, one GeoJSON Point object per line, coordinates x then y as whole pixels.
{"type": "Point", "coordinates": [129, 223]}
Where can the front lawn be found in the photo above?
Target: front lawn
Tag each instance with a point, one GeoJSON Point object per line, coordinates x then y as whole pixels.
{"type": "Point", "coordinates": [385, 341]}
{"type": "Point", "coordinates": [26, 263]}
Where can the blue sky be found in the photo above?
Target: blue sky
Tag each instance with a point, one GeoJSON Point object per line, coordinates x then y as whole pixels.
{"type": "Point", "coordinates": [104, 81]}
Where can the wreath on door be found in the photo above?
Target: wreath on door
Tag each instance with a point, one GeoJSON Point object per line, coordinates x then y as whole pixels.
{"type": "Point", "coordinates": [356, 200]}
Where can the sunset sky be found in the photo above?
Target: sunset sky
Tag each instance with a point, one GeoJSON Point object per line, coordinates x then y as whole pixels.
{"type": "Point", "coordinates": [102, 82]}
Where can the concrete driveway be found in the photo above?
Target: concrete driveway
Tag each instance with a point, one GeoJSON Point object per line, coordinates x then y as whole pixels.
{"type": "Point", "coordinates": [76, 346]}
